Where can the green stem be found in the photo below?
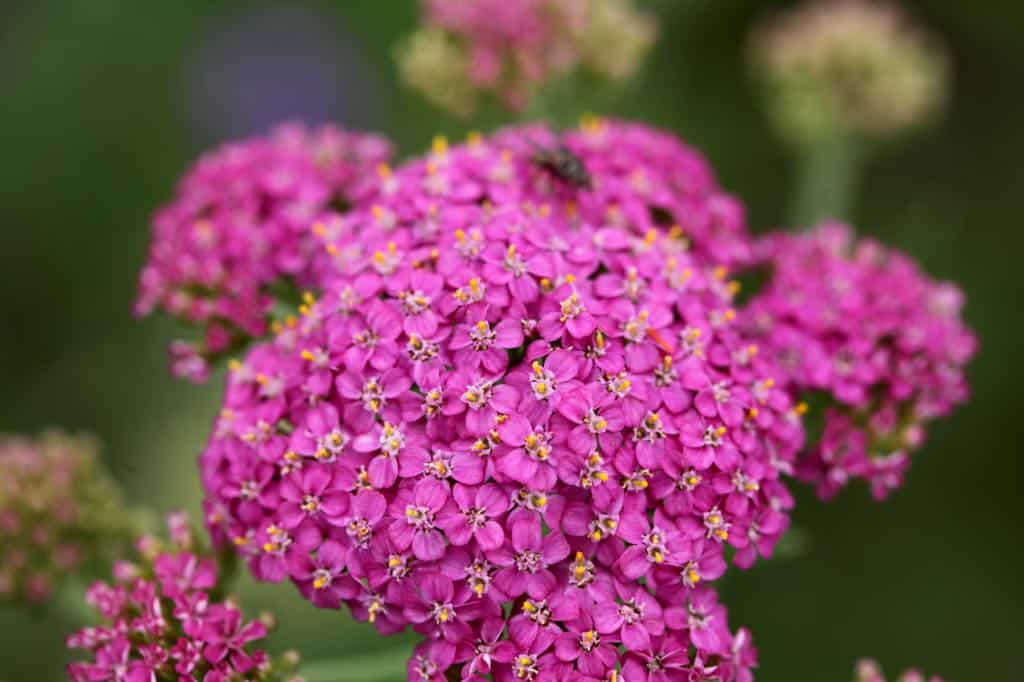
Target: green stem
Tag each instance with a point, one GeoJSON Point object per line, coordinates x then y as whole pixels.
{"type": "Point", "coordinates": [829, 178]}
{"type": "Point", "coordinates": [381, 666]}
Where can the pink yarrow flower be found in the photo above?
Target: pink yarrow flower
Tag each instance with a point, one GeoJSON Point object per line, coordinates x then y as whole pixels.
{"type": "Point", "coordinates": [159, 621]}
{"type": "Point", "coordinates": [240, 222]}
{"type": "Point", "coordinates": [886, 344]}
{"type": "Point", "coordinates": [577, 419]}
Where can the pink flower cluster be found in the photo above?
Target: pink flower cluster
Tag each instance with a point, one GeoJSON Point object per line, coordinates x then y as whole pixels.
{"type": "Point", "coordinates": [466, 48]}
{"type": "Point", "coordinates": [512, 46]}
{"type": "Point", "coordinates": [521, 418]}
{"type": "Point", "coordinates": [59, 513]}
{"type": "Point", "coordinates": [870, 671]}
{"type": "Point", "coordinates": [862, 324]}
{"type": "Point", "coordinates": [161, 622]}
{"type": "Point", "coordinates": [239, 223]}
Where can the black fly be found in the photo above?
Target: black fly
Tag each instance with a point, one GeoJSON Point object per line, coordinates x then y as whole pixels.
{"type": "Point", "coordinates": [561, 162]}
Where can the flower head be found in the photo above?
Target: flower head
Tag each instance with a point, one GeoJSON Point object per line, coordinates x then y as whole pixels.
{"type": "Point", "coordinates": [885, 343]}
{"type": "Point", "coordinates": [499, 488]}
{"type": "Point", "coordinates": [160, 621]}
{"type": "Point", "coordinates": [60, 513]}
{"type": "Point", "coordinates": [240, 224]}
{"type": "Point", "coordinates": [849, 67]}
{"type": "Point", "coordinates": [471, 47]}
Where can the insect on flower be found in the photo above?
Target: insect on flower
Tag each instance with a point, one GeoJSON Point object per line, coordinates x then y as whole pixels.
{"type": "Point", "coordinates": [563, 163]}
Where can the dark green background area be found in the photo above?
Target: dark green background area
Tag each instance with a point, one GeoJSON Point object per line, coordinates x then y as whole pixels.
{"type": "Point", "coordinates": [97, 120]}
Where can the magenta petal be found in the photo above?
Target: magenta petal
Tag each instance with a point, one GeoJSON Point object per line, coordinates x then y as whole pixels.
{"type": "Point", "coordinates": [509, 334]}
{"type": "Point", "coordinates": [635, 637]}
{"type": "Point", "coordinates": [526, 534]}
{"type": "Point", "coordinates": [633, 562]}
{"type": "Point", "coordinates": [383, 471]}
{"type": "Point", "coordinates": [555, 548]}
{"type": "Point", "coordinates": [428, 546]}
{"type": "Point", "coordinates": [567, 646]}
{"type": "Point", "coordinates": [490, 536]}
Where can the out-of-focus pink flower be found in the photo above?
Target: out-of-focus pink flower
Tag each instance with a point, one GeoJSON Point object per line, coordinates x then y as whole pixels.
{"type": "Point", "coordinates": [863, 325]}
{"type": "Point", "coordinates": [511, 49]}
{"type": "Point", "coordinates": [60, 513]}
{"type": "Point", "coordinates": [869, 671]}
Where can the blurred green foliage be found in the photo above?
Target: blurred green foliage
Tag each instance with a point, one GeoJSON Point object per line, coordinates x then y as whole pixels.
{"type": "Point", "coordinates": [95, 111]}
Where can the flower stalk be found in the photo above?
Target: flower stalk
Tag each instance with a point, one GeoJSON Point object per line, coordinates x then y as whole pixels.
{"type": "Point", "coordinates": [828, 178]}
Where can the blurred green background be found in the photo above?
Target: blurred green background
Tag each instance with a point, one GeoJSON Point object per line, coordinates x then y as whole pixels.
{"type": "Point", "coordinates": [103, 103]}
